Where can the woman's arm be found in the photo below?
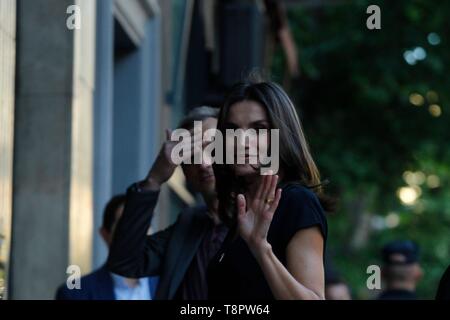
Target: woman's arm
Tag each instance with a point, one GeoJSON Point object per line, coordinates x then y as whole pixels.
{"type": "Point", "coordinates": [303, 278]}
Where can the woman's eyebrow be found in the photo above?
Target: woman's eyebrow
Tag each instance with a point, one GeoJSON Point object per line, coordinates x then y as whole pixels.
{"type": "Point", "coordinates": [253, 123]}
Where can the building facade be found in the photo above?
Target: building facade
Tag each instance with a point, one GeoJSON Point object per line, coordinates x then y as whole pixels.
{"type": "Point", "coordinates": [7, 83]}
{"type": "Point", "coordinates": [82, 112]}
{"type": "Point", "coordinates": [87, 88]}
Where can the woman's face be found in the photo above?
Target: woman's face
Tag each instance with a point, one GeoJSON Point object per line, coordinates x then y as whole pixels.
{"type": "Point", "coordinates": [247, 115]}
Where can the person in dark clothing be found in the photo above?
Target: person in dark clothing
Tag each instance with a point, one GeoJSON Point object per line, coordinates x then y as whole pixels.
{"type": "Point", "coordinates": [443, 292]}
{"type": "Point", "coordinates": [278, 228]}
{"type": "Point", "coordinates": [102, 284]}
{"type": "Point", "coordinates": [401, 270]}
{"type": "Point", "coordinates": [179, 254]}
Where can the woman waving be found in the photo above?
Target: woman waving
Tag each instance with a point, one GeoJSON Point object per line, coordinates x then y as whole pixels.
{"type": "Point", "coordinates": [278, 227]}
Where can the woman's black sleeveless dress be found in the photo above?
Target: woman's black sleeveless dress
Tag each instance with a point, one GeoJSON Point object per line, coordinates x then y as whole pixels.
{"type": "Point", "coordinates": [234, 273]}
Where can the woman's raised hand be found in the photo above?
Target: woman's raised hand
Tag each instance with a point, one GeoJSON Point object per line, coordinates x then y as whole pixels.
{"type": "Point", "coordinates": [255, 214]}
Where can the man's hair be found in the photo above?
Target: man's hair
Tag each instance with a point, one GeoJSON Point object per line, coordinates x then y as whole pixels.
{"type": "Point", "coordinates": [198, 114]}
{"type": "Point", "coordinates": [109, 214]}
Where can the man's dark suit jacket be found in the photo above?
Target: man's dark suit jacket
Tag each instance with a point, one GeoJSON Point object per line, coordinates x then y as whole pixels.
{"type": "Point", "coordinates": [97, 285]}
{"type": "Point", "coordinates": [167, 253]}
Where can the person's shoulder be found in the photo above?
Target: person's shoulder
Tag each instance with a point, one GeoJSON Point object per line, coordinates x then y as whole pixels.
{"type": "Point", "coordinates": [300, 198]}
{"type": "Point", "coordinates": [296, 191]}
{"type": "Point", "coordinates": [94, 275]}
{"type": "Point", "coordinates": [299, 208]}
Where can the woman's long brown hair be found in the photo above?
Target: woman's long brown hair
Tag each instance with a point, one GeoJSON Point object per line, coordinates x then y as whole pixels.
{"type": "Point", "coordinates": [296, 162]}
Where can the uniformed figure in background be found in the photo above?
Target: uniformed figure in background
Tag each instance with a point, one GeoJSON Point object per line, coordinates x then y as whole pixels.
{"type": "Point", "coordinates": [401, 270]}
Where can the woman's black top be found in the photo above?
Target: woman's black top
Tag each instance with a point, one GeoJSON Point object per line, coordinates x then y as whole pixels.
{"type": "Point", "coordinates": [234, 273]}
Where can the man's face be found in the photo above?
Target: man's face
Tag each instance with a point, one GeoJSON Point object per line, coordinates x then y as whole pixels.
{"type": "Point", "coordinates": [411, 272]}
{"type": "Point", "coordinates": [201, 176]}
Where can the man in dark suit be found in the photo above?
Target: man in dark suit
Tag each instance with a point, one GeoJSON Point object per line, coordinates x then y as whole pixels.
{"type": "Point", "coordinates": [102, 284]}
{"type": "Point", "coordinates": [181, 253]}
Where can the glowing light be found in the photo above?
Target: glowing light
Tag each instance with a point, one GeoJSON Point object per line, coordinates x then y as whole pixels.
{"type": "Point", "coordinates": [407, 176]}
{"type": "Point", "coordinates": [419, 177]}
{"type": "Point", "coordinates": [407, 195]}
{"type": "Point", "coordinates": [392, 220]}
{"type": "Point", "coordinates": [434, 39]}
{"type": "Point", "coordinates": [416, 99]}
{"type": "Point", "coordinates": [435, 110]}
{"type": "Point", "coordinates": [409, 57]}
{"type": "Point", "coordinates": [419, 53]}
{"type": "Point", "coordinates": [418, 190]}
{"type": "Point", "coordinates": [432, 96]}
{"type": "Point", "coordinates": [433, 181]}
{"type": "Point", "coordinates": [414, 178]}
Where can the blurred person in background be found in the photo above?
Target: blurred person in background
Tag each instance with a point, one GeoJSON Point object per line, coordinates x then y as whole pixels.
{"type": "Point", "coordinates": [102, 284]}
{"type": "Point", "coordinates": [401, 270]}
{"type": "Point", "coordinates": [337, 289]}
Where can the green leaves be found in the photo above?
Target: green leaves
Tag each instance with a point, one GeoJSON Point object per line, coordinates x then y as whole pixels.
{"type": "Point", "coordinates": [355, 104]}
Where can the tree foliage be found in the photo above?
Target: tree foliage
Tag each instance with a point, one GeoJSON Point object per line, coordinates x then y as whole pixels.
{"type": "Point", "coordinates": [368, 116]}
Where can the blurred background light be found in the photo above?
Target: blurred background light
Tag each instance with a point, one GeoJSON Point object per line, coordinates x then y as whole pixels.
{"type": "Point", "coordinates": [419, 53]}
{"type": "Point", "coordinates": [432, 96]}
{"type": "Point", "coordinates": [407, 176]}
{"type": "Point", "coordinates": [409, 57]}
{"type": "Point", "coordinates": [414, 178]}
{"type": "Point", "coordinates": [378, 223]}
{"type": "Point", "coordinates": [418, 190]}
{"type": "Point", "coordinates": [433, 38]}
{"type": "Point", "coordinates": [416, 99]}
{"type": "Point", "coordinates": [392, 220]}
{"type": "Point", "coordinates": [433, 181]}
{"type": "Point", "coordinates": [407, 195]}
{"type": "Point", "coordinates": [435, 110]}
